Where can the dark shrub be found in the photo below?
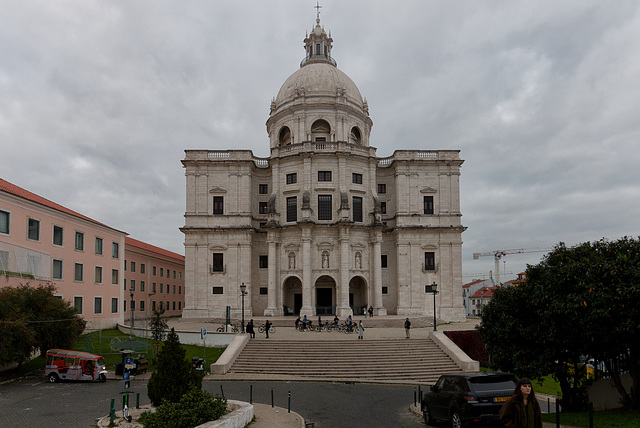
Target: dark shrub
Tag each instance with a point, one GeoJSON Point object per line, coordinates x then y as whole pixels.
{"type": "Point", "coordinates": [196, 407]}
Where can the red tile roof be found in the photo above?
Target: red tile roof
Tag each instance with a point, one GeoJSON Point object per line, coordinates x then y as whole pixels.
{"type": "Point", "coordinates": [12, 189]}
{"type": "Point", "coordinates": [144, 246]}
{"type": "Point", "coordinates": [478, 281]}
{"type": "Point", "coordinates": [484, 292]}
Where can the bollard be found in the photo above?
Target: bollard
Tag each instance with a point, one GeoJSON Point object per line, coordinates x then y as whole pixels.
{"type": "Point", "coordinates": [590, 414]}
{"type": "Point", "coordinates": [137, 400]}
{"type": "Point", "coordinates": [419, 394]}
{"type": "Point", "coordinates": [272, 398]}
{"type": "Point", "coordinates": [557, 413]}
{"type": "Point", "coordinates": [112, 415]}
{"type": "Point", "coordinates": [414, 397]}
{"type": "Point", "coordinates": [250, 394]}
{"type": "Point", "coordinates": [289, 403]}
{"type": "Point", "coordinates": [221, 391]}
{"type": "Point", "coordinates": [548, 405]}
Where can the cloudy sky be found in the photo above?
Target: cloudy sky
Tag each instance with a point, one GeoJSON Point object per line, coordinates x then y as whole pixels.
{"type": "Point", "coordinates": [99, 100]}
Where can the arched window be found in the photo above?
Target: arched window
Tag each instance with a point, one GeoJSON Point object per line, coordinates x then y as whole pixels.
{"type": "Point", "coordinates": [320, 130]}
{"type": "Point", "coordinates": [355, 136]}
{"type": "Point", "coordinates": [284, 137]}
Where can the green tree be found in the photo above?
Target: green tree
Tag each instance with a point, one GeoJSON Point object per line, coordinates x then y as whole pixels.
{"type": "Point", "coordinates": [174, 376]}
{"type": "Point", "coordinates": [158, 325]}
{"type": "Point", "coordinates": [33, 319]}
{"type": "Point", "coordinates": [579, 301]}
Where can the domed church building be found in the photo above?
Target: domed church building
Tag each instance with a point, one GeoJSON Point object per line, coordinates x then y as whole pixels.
{"type": "Point", "coordinates": [322, 226]}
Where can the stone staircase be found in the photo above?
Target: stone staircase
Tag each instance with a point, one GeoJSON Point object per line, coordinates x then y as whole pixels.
{"type": "Point", "coordinates": [384, 360]}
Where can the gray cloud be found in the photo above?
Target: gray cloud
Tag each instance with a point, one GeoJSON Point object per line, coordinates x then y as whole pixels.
{"type": "Point", "coordinates": [100, 100]}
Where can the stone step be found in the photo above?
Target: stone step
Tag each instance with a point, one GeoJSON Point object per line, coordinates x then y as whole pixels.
{"type": "Point", "coordinates": [418, 360]}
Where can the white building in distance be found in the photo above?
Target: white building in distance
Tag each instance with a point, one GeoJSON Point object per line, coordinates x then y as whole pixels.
{"type": "Point", "coordinates": [322, 226]}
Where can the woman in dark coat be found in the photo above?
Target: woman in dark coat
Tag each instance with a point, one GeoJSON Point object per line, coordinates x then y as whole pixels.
{"type": "Point", "coordinates": [522, 410]}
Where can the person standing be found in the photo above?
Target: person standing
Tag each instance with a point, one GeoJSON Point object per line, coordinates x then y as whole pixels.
{"type": "Point", "coordinates": [360, 330]}
{"type": "Point", "coordinates": [267, 326]}
{"type": "Point", "coordinates": [522, 410]}
{"type": "Point", "coordinates": [407, 328]}
{"type": "Point", "coordinates": [250, 329]}
{"type": "Point", "coordinates": [370, 311]}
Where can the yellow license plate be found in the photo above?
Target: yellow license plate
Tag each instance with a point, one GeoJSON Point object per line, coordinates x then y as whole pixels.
{"type": "Point", "coordinates": [500, 399]}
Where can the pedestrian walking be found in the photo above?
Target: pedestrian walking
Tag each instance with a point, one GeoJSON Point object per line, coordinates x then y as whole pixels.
{"type": "Point", "coordinates": [364, 309]}
{"type": "Point", "coordinates": [407, 328]}
{"type": "Point", "coordinates": [370, 311]}
{"type": "Point", "coordinates": [522, 410]}
{"type": "Point", "coordinates": [267, 326]}
{"type": "Point", "coordinates": [360, 330]}
{"type": "Point", "coordinates": [250, 329]}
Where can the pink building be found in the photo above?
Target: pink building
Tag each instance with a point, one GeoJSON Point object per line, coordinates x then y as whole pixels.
{"type": "Point", "coordinates": [154, 278]}
{"type": "Point", "coordinates": [41, 241]}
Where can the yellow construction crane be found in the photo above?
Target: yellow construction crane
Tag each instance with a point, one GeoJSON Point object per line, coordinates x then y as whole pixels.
{"type": "Point", "coordinates": [498, 254]}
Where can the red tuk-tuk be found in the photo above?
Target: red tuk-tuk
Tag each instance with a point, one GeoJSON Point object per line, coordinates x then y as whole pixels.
{"type": "Point", "coordinates": [74, 365]}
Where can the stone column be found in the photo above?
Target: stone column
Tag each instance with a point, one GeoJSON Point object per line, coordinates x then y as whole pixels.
{"type": "Point", "coordinates": [306, 309]}
{"type": "Point", "coordinates": [378, 308]}
{"type": "Point", "coordinates": [272, 309]}
{"type": "Point", "coordinates": [342, 291]}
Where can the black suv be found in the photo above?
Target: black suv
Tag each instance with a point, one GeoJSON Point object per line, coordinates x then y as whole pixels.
{"type": "Point", "coordinates": [468, 399]}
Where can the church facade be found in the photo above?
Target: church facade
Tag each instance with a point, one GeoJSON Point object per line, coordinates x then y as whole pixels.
{"type": "Point", "coordinates": [322, 226]}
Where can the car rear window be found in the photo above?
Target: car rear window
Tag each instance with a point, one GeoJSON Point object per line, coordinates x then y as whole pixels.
{"type": "Point", "coordinates": [493, 383]}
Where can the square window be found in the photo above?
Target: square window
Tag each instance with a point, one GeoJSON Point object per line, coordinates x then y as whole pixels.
{"type": "Point", "coordinates": [383, 260]}
{"type": "Point", "coordinates": [33, 231]}
{"type": "Point", "coordinates": [141, 305]}
{"type": "Point", "coordinates": [383, 207]}
{"type": "Point", "coordinates": [133, 305]}
{"type": "Point", "coordinates": [132, 285]}
{"type": "Point", "coordinates": [180, 276]}
{"type": "Point", "coordinates": [161, 272]}
{"type": "Point", "coordinates": [161, 288]}
{"type": "Point", "coordinates": [97, 305]}
{"type": "Point", "coordinates": [4, 222]}
{"type": "Point", "coordinates": [77, 304]}
{"type": "Point", "coordinates": [382, 188]}
{"type": "Point", "coordinates": [133, 266]}
{"type": "Point", "coordinates": [114, 305]}
{"type": "Point", "coordinates": [324, 207]}
{"type": "Point", "coordinates": [218, 262]}
{"type": "Point", "coordinates": [174, 274]}
{"type": "Point", "coordinates": [324, 175]}
{"type": "Point", "coordinates": [114, 277]}
{"type": "Point", "coordinates": [356, 178]}
{"type": "Point", "coordinates": [292, 178]}
{"type": "Point", "coordinates": [115, 250]}
{"type": "Point", "coordinates": [78, 272]}
{"type": "Point", "coordinates": [98, 275]}
{"type": "Point", "coordinates": [57, 235]}
{"type": "Point", "coordinates": [292, 209]}
{"type": "Point", "coordinates": [179, 289]}
{"type": "Point", "coordinates": [153, 268]}
{"type": "Point", "coordinates": [264, 262]}
{"type": "Point", "coordinates": [57, 269]}
{"type": "Point", "coordinates": [218, 290]}
{"type": "Point", "coordinates": [79, 242]}
{"type": "Point", "coordinates": [99, 246]}
{"type": "Point", "coordinates": [385, 290]}
{"type": "Point", "coordinates": [218, 205]}
{"type": "Point", "coordinates": [143, 268]}
{"type": "Point", "coordinates": [264, 290]}
{"type": "Point", "coordinates": [428, 204]}
{"type": "Point", "coordinates": [263, 189]}
{"type": "Point", "coordinates": [153, 287]}
{"type": "Point", "coordinates": [263, 208]}
{"type": "Point", "coordinates": [141, 285]}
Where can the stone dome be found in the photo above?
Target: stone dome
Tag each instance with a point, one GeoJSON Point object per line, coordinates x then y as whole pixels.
{"type": "Point", "coordinates": [318, 79]}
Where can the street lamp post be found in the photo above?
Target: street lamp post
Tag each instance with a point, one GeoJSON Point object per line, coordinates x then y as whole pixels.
{"type": "Point", "coordinates": [243, 292]}
{"type": "Point", "coordinates": [433, 288]}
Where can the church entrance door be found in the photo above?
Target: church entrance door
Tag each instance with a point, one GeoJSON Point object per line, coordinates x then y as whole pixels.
{"type": "Point", "coordinates": [325, 292]}
{"type": "Point", "coordinates": [297, 303]}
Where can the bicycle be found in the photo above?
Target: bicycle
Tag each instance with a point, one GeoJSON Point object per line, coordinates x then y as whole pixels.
{"type": "Point", "coordinates": [325, 326]}
{"type": "Point", "coordinates": [350, 328]}
{"type": "Point", "coordinates": [272, 329]}
{"type": "Point", "coordinates": [234, 328]}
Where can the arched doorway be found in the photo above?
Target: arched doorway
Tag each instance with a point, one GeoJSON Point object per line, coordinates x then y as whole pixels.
{"type": "Point", "coordinates": [320, 131]}
{"type": "Point", "coordinates": [358, 295]}
{"type": "Point", "coordinates": [292, 296]}
{"type": "Point", "coordinates": [325, 296]}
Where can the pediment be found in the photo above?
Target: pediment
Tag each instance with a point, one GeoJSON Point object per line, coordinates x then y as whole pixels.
{"type": "Point", "coordinates": [429, 189]}
{"type": "Point", "coordinates": [217, 189]}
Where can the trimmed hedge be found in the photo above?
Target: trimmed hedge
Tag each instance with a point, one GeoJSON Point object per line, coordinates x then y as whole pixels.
{"type": "Point", "coordinates": [471, 343]}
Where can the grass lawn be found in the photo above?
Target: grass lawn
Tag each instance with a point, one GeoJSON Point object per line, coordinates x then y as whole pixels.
{"type": "Point", "coordinates": [100, 344]}
{"type": "Point", "coordinates": [619, 418]}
